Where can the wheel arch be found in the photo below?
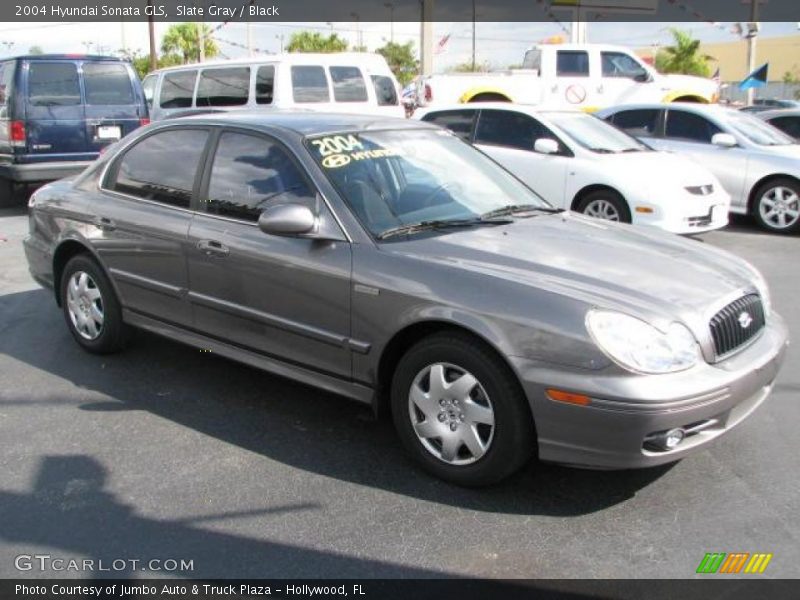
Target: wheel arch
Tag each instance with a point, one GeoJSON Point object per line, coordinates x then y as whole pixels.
{"type": "Point", "coordinates": [409, 335]}
{"type": "Point", "coordinates": [489, 93]}
{"type": "Point", "coordinates": [67, 249]}
{"type": "Point", "coordinates": [685, 96]}
{"type": "Point", "coordinates": [751, 198]}
{"type": "Point", "coordinates": [595, 187]}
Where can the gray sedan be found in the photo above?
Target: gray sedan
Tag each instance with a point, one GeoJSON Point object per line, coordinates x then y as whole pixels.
{"type": "Point", "coordinates": [787, 120]}
{"type": "Point", "coordinates": [758, 165]}
{"type": "Point", "coordinates": [392, 263]}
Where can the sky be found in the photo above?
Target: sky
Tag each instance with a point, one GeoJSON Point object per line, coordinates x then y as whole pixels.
{"type": "Point", "coordinates": [498, 44]}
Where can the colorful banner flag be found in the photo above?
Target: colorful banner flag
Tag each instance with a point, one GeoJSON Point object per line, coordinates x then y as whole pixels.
{"type": "Point", "coordinates": [756, 79]}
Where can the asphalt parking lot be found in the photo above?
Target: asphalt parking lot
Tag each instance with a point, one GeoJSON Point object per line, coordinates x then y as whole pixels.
{"type": "Point", "coordinates": [165, 452]}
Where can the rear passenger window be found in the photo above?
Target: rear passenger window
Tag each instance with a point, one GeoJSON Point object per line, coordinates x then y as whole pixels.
{"type": "Point", "coordinates": [458, 121]}
{"type": "Point", "coordinates": [107, 83]}
{"type": "Point", "coordinates": [637, 122]}
{"type": "Point", "coordinates": [385, 90]}
{"type": "Point", "coordinates": [265, 84]}
{"type": "Point", "coordinates": [688, 126]}
{"type": "Point", "coordinates": [573, 63]}
{"type": "Point", "coordinates": [6, 81]}
{"type": "Point", "coordinates": [788, 125]}
{"type": "Point", "coordinates": [148, 170]}
{"type": "Point", "coordinates": [309, 84]}
{"type": "Point", "coordinates": [177, 89]}
{"type": "Point", "coordinates": [251, 173]}
{"type": "Point", "coordinates": [223, 87]}
{"type": "Point", "coordinates": [348, 84]}
{"type": "Point", "coordinates": [53, 84]}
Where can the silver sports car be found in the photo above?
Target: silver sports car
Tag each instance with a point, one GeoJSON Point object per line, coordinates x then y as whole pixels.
{"type": "Point", "coordinates": [758, 165]}
{"type": "Point", "coordinates": [390, 262]}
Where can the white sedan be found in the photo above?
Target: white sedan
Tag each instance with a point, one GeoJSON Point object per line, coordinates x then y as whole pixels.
{"type": "Point", "coordinates": [578, 162]}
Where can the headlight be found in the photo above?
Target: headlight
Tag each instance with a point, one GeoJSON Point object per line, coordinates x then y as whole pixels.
{"type": "Point", "coordinates": [640, 347]}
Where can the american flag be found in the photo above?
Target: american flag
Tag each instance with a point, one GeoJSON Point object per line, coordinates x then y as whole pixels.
{"type": "Point", "coordinates": [442, 44]}
{"type": "Point", "coordinates": [715, 77]}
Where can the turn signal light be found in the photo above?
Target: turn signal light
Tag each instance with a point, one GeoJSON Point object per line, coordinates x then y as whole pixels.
{"type": "Point", "coordinates": [644, 209]}
{"type": "Point", "coordinates": [568, 397]}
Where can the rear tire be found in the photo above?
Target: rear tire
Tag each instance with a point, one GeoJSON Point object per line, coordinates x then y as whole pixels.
{"type": "Point", "coordinates": [9, 196]}
{"type": "Point", "coordinates": [776, 205]}
{"type": "Point", "coordinates": [607, 205]}
{"type": "Point", "coordinates": [91, 308]}
{"type": "Point", "coordinates": [460, 411]}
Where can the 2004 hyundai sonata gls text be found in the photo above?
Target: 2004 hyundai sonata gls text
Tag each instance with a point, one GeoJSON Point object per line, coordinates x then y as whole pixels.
{"type": "Point", "coordinates": [389, 261]}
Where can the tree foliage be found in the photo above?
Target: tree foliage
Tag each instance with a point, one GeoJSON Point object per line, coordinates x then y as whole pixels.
{"type": "Point", "coordinates": [401, 60]}
{"type": "Point", "coordinates": [312, 41]}
{"type": "Point", "coordinates": [183, 39]}
{"type": "Point", "coordinates": [466, 67]}
{"type": "Point", "coordinates": [35, 50]}
{"type": "Point", "coordinates": [683, 57]}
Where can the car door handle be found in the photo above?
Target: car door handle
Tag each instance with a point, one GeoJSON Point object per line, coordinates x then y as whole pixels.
{"type": "Point", "coordinates": [213, 248]}
{"type": "Point", "coordinates": [105, 224]}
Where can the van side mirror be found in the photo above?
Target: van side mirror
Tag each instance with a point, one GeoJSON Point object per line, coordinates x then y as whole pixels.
{"type": "Point", "coordinates": [545, 146]}
{"type": "Point", "coordinates": [643, 77]}
{"type": "Point", "coordinates": [724, 140]}
{"type": "Point", "coordinates": [288, 220]}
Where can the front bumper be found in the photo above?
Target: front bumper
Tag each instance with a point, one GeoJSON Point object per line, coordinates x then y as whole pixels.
{"type": "Point", "coordinates": [686, 217]}
{"type": "Point", "coordinates": [610, 432]}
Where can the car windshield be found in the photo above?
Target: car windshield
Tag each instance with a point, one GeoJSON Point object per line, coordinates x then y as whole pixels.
{"type": "Point", "coordinates": [395, 179]}
{"type": "Point", "coordinates": [594, 134]}
{"type": "Point", "coordinates": [757, 131]}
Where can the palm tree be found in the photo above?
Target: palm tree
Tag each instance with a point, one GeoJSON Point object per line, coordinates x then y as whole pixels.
{"type": "Point", "coordinates": [684, 57]}
{"type": "Point", "coordinates": [308, 41]}
{"type": "Point", "coordinates": [184, 39]}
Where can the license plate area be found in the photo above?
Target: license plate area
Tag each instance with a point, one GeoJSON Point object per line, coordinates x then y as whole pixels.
{"type": "Point", "coordinates": [109, 132]}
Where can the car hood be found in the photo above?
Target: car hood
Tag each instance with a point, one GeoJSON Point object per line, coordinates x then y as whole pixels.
{"type": "Point", "coordinates": [645, 272]}
{"type": "Point", "coordinates": [662, 170]}
{"type": "Point", "coordinates": [791, 151]}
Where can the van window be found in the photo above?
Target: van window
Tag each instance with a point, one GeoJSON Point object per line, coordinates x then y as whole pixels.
{"type": "Point", "coordinates": [177, 89]}
{"type": "Point", "coordinates": [459, 122]}
{"type": "Point", "coordinates": [6, 82]}
{"type": "Point", "coordinates": [572, 63]}
{"type": "Point", "coordinates": [251, 174]}
{"type": "Point", "coordinates": [53, 84]}
{"type": "Point", "coordinates": [309, 84]}
{"type": "Point", "coordinates": [265, 84]}
{"type": "Point", "coordinates": [619, 64]}
{"type": "Point", "coordinates": [148, 169]}
{"type": "Point", "coordinates": [149, 88]}
{"type": "Point", "coordinates": [348, 84]}
{"type": "Point", "coordinates": [223, 87]}
{"type": "Point", "coordinates": [385, 90]}
{"type": "Point", "coordinates": [107, 83]}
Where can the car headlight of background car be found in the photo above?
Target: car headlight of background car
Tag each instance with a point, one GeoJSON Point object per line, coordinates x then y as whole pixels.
{"type": "Point", "coordinates": [640, 347]}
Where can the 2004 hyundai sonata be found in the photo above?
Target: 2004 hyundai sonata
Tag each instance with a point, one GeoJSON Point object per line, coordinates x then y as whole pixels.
{"type": "Point", "coordinates": [390, 262]}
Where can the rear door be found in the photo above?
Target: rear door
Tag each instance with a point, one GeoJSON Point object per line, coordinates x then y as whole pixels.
{"type": "Point", "coordinates": [114, 107]}
{"type": "Point", "coordinates": [54, 112]}
{"type": "Point", "coordinates": [460, 122]}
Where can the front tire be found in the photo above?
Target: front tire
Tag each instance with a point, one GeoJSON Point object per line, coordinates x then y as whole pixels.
{"type": "Point", "coordinates": [91, 308]}
{"type": "Point", "coordinates": [776, 206]}
{"type": "Point", "coordinates": [607, 205]}
{"type": "Point", "coordinates": [460, 412]}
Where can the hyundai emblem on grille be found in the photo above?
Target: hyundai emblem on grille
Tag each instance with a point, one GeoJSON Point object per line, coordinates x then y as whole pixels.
{"type": "Point", "coordinates": [745, 320]}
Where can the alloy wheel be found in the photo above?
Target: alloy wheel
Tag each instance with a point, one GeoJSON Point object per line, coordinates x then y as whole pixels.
{"type": "Point", "coordinates": [85, 305]}
{"type": "Point", "coordinates": [779, 207]}
{"type": "Point", "coordinates": [602, 209]}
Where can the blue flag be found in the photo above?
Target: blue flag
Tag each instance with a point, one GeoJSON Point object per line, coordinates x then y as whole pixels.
{"type": "Point", "coordinates": [756, 79]}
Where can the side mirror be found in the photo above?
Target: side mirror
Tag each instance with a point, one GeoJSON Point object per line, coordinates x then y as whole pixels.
{"type": "Point", "coordinates": [643, 77]}
{"type": "Point", "coordinates": [287, 220]}
{"type": "Point", "coordinates": [724, 140]}
{"type": "Point", "coordinates": [545, 146]}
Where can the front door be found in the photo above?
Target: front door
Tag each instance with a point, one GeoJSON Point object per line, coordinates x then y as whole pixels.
{"type": "Point", "coordinates": [285, 297]}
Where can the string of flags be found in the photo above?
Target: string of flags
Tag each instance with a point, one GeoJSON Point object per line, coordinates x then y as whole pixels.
{"type": "Point", "coordinates": [242, 46]}
{"type": "Point", "coordinates": [246, 4]}
{"type": "Point", "coordinates": [547, 7]}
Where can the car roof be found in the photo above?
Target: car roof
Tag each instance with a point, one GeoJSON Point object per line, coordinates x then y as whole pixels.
{"type": "Point", "coordinates": [778, 112]}
{"type": "Point", "coordinates": [306, 123]}
{"type": "Point", "coordinates": [296, 58]}
{"type": "Point", "coordinates": [708, 109]}
{"type": "Point", "coordinates": [65, 57]}
{"type": "Point", "coordinates": [532, 109]}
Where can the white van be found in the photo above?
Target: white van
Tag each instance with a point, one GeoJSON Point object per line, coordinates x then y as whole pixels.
{"type": "Point", "coordinates": [352, 82]}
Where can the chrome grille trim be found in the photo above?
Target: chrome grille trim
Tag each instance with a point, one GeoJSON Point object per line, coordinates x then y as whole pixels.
{"type": "Point", "coordinates": [728, 333]}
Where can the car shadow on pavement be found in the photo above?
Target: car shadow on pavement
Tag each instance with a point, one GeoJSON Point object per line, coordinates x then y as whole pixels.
{"type": "Point", "coordinates": [285, 421]}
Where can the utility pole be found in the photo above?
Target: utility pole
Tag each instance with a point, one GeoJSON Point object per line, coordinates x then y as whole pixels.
{"type": "Point", "coordinates": [390, 6]}
{"type": "Point", "coordinates": [152, 35]}
{"type": "Point", "coordinates": [752, 34]}
{"type": "Point", "coordinates": [426, 37]}
{"type": "Point", "coordinates": [249, 40]}
{"type": "Point", "coordinates": [359, 41]}
{"type": "Point", "coordinates": [280, 37]}
{"type": "Point", "coordinates": [473, 36]}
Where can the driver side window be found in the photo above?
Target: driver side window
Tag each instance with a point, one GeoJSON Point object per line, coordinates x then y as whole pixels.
{"type": "Point", "coordinates": [511, 129]}
{"type": "Point", "coordinates": [619, 64]}
{"type": "Point", "coordinates": [252, 173]}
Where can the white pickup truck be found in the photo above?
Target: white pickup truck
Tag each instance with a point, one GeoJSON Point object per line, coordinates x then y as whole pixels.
{"type": "Point", "coordinates": [584, 76]}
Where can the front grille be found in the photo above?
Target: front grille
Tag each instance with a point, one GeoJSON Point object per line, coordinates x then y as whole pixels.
{"type": "Point", "coordinates": [736, 324]}
{"type": "Point", "coordinates": [699, 221]}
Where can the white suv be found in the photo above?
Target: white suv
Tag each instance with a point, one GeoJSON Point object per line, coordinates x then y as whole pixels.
{"type": "Point", "coordinates": [350, 82]}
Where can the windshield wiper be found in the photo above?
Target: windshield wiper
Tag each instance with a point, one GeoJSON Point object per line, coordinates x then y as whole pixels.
{"type": "Point", "coordinates": [439, 224]}
{"type": "Point", "coordinates": [633, 150]}
{"type": "Point", "coordinates": [514, 209]}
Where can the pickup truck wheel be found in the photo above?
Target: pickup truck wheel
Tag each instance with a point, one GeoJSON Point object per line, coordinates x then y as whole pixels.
{"type": "Point", "coordinates": [460, 411]}
{"type": "Point", "coordinates": [777, 205]}
{"type": "Point", "coordinates": [605, 204]}
{"type": "Point", "coordinates": [91, 308]}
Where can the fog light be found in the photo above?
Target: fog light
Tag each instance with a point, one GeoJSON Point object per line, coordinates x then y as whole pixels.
{"type": "Point", "coordinates": [673, 438]}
